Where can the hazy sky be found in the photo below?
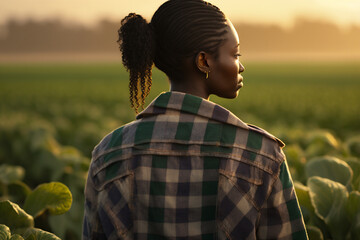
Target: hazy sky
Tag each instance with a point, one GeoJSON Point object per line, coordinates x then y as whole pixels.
{"type": "Point", "coordinates": [283, 12]}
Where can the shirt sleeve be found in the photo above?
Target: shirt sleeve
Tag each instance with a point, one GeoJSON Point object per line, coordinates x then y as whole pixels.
{"type": "Point", "coordinates": [281, 217]}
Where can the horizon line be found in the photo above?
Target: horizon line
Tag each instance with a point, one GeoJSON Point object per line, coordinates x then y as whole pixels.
{"type": "Point", "coordinates": [97, 21]}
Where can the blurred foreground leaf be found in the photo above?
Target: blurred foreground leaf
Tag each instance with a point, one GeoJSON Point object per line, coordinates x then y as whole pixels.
{"type": "Point", "coordinates": [55, 197]}
{"type": "Point", "coordinates": [4, 232]}
{"type": "Point", "coordinates": [14, 217]}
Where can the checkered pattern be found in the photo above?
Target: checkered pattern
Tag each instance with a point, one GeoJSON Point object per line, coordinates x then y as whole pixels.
{"type": "Point", "coordinates": [190, 169]}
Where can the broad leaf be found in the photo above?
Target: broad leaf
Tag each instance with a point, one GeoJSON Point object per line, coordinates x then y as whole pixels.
{"type": "Point", "coordinates": [329, 199]}
{"type": "Point", "coordinates": [38, 234]}
{"type": "Point", "coordinates": [9, 174]}
{"type": "Point", "coordinates": [4, 232]}
{"type": "Point", "coordinates": [13, 216]}
{"type": "Point", "coordinates": [331, 168]}
{"type": "Point", "coordinates": [54, 196]}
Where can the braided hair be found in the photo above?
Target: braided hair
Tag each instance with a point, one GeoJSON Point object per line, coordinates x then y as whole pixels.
{"type": "Point", "coordinates": [179, 29]}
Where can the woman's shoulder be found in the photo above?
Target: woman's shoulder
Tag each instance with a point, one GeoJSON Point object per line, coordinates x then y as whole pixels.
{"type": "Point", "coordinates": [258, 144]}
{"type": "Point", "coordinates": [266, 134]}
{"type": "Point", "coordinates": [112, 140]}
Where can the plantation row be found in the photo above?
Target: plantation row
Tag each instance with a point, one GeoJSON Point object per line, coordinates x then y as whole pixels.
{"type": "Point", "coordinates": [51, 117]}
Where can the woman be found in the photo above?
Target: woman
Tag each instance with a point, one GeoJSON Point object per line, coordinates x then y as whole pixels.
{"type": "Point", "coordinates": [187, 168]}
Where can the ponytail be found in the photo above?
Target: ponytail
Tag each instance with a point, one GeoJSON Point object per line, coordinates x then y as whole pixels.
{"type": "Point", "coordinates": [137, 44]}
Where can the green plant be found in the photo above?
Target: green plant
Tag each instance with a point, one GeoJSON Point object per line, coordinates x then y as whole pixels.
{"type": "Point", "coordinates": [47, 199]}
{"type": "Point", "coordinates": [330, 205]}
{"type": "Point", "coordinates": [50, 162]}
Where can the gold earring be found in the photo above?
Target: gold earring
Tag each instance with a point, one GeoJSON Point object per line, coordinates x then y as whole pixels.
{"type": "Point", "coordinates": [207, 75]}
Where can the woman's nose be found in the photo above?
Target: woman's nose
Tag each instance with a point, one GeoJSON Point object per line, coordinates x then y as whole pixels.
{"type": "Point", "coordinates": [241, 68]}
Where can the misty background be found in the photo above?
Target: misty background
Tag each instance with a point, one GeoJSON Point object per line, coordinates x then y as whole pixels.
{"type": "Point", "coordinates": [307, 39]}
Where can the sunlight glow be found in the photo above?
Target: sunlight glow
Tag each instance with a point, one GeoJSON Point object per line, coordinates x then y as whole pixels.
{"type": "Point", "coordinates": [281, 12]}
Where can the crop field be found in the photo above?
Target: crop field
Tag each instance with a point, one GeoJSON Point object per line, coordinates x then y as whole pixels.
{"type": "Point", "coordinates": [53, 114]}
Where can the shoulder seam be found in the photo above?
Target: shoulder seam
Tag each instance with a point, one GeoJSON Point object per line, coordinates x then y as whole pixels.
{"type": "Point", "coordinates": [266, 134]}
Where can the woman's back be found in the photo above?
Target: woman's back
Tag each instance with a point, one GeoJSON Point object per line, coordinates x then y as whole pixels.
{"type": "Point", "coordinates": [187, 168]}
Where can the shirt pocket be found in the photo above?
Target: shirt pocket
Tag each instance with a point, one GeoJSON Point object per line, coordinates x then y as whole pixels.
{"type": "Point", "coordinates": [239, 172]}
{"type": "Point", "coordinates": [115, 200]}
{"type": "Point", "coordinates": [240, 184]}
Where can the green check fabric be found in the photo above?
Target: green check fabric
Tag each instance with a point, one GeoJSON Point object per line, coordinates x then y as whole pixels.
{"type": "Point", "coordinates": [187, 168]}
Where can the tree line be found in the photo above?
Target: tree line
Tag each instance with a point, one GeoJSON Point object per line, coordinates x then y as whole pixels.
{"type": "Point", "coordinates": [56, 36]}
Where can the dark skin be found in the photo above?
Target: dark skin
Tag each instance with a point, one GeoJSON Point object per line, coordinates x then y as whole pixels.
{"type": "Point", "coordinates": [224, 72]}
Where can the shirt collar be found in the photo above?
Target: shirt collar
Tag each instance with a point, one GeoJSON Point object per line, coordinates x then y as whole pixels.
{"type": "Point", "coordinates": [191, 104]}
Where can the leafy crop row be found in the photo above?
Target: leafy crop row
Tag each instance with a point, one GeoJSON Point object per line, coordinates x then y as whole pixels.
{"type": "Point", "coordinates": [328, 187]}
{"type": "Point", "coordinates": [51, 116]}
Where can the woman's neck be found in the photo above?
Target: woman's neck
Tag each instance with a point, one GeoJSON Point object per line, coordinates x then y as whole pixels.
{"type": "Point", "coordinates": [190, 86]}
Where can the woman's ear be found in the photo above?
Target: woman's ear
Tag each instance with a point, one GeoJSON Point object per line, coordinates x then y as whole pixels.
{"type": "Point", "coordinates": [201, 61]}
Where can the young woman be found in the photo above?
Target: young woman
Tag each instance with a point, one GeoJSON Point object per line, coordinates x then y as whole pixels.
{"type": "Point", "coordinates": [187, 168]}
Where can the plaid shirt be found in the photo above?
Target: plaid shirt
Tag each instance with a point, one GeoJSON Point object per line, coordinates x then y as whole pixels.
{"type": "Point", "coordinates": [190, 169]}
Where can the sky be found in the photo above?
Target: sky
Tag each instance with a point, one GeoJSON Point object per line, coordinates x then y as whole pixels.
{"type": "Point", "coordinates": [282, 12]}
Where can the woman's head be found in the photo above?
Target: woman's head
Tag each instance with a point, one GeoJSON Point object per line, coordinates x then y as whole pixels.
{"type": "Point", "coordinates": [179, 30]}
{"type": "Point", "coordinates": [182, 29]}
